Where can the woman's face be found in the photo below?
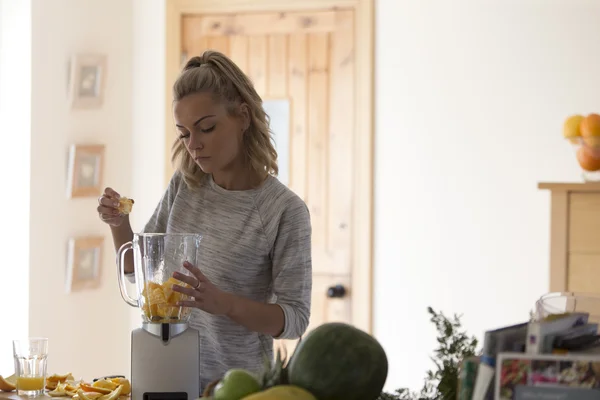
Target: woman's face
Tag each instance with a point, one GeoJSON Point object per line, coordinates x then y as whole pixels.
{"type": "Point", "coordinates": [213, 137]}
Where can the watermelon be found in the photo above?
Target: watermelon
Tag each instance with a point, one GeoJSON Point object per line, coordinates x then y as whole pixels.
{"type": "Point", "coordinates": [337, 361]}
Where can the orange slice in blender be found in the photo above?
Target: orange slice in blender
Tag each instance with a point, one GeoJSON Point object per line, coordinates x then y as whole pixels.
{"type": "Point", "coordinates": [174, 298]}
{"type": "Point", "coordinates": [157, 296]}
{"type": "Point", "coordinates": [168, 286]}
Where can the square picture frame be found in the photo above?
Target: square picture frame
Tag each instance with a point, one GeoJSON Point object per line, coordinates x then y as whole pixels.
{"type": "Point", "coordinates": [85, 170]}
{"type": "Point", "coordinates": [84, 263]}
{"type": "Point", "coordinates": [87, 77]}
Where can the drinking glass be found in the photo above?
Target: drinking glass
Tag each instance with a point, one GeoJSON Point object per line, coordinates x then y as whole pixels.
{"type": "Point", "coordinates": [30, 365]}
{"type": "Point", "coordinates": [568, 302]}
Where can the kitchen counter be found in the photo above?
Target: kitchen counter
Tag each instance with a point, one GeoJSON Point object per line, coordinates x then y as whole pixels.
{"type": "Point", "coordinates": [15, 396]}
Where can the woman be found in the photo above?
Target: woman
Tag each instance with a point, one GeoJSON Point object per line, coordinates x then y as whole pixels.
{"type": "Point", "coordinates": [254, 279]}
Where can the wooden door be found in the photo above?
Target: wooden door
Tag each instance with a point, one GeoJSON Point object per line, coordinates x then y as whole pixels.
{"type": "Point", "coordinates": [308, 59]}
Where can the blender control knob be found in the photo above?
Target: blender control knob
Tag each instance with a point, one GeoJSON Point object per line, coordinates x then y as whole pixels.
{"type": "Point", "coordinates": [336, 291]}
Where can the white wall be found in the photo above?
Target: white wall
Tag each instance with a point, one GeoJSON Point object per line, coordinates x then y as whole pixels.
{"type": "Point", "coordinates": [471, 97]}
{"type": "Point", "coordinates": [15, 123]}
{"type": "Point", "coordinates": [88, 331]}
{"type": "Point", "coordinates": [148, 113]}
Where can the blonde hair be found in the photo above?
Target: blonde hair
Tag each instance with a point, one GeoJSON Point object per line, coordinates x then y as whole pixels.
{"type": "Point", "coordinates": [215, 73]}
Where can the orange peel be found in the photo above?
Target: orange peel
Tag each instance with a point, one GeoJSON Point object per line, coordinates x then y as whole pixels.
{"type": "Point", "coordinates": [8, 384]}
{"type": "Point", "coordinates": [125, 384]}
{"type": "Point", "coordinates": [88, 396]}
{"type": "Point", "coordinates": [114, 395]}
{"type": "Point", "coordinates": [89, 388]}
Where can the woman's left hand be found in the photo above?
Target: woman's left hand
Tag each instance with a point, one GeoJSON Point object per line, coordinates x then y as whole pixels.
{"type": "Point", "coordinates": [205, 296]}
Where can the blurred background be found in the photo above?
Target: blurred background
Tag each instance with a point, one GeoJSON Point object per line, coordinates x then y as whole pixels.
{"type": "Point", "coordinates": [468, 104]}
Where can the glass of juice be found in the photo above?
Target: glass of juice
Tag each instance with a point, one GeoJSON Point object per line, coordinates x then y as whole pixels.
{"type": "Point", "coordinates": [30, 365]}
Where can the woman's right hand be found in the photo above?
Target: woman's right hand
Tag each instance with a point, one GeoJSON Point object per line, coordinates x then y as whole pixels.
{"type": "Point", "coordinates": [108, 208]}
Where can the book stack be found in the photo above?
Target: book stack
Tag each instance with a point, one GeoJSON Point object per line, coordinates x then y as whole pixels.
{"type": "Point", "coordinates": [558, 344]}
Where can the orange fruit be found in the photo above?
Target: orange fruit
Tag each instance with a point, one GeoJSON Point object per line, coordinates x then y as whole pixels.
{"type": "Point", "coordinates": [571, 128]}
{"type": "Point", "coordinates": [587, 161]}
{"type": "Point", "coordinates": [590, 129]}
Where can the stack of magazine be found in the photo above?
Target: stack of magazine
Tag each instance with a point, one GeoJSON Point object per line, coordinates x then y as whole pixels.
{"type": "Point", "coordinates": [551, 358]}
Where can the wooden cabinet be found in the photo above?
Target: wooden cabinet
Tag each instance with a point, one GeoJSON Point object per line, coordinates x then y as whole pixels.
{"type": "Point", "coordinates": [574, 237]}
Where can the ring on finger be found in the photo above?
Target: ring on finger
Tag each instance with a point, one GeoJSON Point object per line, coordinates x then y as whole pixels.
{"type": "Point", "coordinates": [197, 285]}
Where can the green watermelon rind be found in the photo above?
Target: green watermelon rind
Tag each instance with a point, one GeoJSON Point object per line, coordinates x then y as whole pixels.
{"type": "Point", "coordinates": [337, 361]}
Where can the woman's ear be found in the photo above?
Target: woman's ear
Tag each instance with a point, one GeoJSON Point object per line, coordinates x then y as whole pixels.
{"type": "Point", "coordinates": [245, 114]}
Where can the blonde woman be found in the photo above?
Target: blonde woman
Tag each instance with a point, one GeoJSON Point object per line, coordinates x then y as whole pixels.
{"type": "Point", "coordinates": [254, 281]}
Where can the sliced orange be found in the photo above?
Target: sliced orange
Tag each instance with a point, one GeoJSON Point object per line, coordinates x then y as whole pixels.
{"type": "Point", "coordinates": [88, 395]}
{"type": "Point", "coordinates": [157, 296]}
{"type": "Point", "coordinates": [88, 388]}
{"type": "Point", "coordinates": [126, 385]}
{"type": "Point", "coordinates": [153, 286]}
{"type": "Point", "coordinates": [125, 205]}
{"type": "Point", "coordinates": [60, 378]}
{"type": "Point", "coordinates": [114, 395]}
{"type": "Point", "coordinates": [51, 385]}
{"type": "Point", "coordinates": [105, 384]}
{"type": "Point", "coordinates": [8, 384]}
{"type": "Point", "coordinates": [71, 388]}
{"type": "Point", "coordinates": [59, 391]}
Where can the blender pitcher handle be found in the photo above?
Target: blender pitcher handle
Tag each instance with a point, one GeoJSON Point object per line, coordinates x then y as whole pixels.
{"type": "Point", "coordinates": [121, 274]}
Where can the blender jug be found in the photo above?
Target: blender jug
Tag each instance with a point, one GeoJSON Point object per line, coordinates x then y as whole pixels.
{"type": "Point", "coordinates": [156, 257]}
{"type": "Point", "coordinates": [165, 361]}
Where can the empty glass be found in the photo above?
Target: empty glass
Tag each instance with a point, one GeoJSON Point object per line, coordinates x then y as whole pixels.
{"type": "Point", "coordinates": [568, 302]}
{"type": "Point", "coordinates": [30, 365]}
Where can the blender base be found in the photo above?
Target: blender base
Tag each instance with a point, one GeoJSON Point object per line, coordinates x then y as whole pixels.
{"type": "Point", "coordinates": [165, 370]}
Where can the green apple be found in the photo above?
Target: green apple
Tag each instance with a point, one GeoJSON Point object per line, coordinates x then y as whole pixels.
{"type": "Point", "coordinates": [235, 385]}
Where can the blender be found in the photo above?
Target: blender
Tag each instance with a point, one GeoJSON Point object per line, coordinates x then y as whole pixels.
{"type": "Point", "coordinates": [164, 350]}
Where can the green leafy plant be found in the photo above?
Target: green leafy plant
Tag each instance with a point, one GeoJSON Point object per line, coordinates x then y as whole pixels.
{"type": "Point", "coordinates": [454, 345]}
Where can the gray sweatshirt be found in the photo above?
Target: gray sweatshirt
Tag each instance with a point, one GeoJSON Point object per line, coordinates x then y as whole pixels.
{"type": "Point", "coordinates": [256, 244]}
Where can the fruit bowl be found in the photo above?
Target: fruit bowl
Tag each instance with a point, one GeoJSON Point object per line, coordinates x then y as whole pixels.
{"type": "Point", "coordinates": [584, 135]}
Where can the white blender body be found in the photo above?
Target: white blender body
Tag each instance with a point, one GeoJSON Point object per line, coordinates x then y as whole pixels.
{"type": "Point", "coordinates": [165, 362]}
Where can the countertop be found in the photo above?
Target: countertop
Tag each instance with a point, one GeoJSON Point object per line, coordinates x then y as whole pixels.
{"type": "Point", "coordinates": [15, 396]}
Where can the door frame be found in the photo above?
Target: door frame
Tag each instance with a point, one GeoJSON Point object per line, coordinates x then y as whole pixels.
{"type": "Point", "coordinates": [363, 179]}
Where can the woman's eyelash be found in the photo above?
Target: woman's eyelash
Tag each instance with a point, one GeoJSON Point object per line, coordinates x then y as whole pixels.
{"type": "Point", "coordinates": [187, 134]}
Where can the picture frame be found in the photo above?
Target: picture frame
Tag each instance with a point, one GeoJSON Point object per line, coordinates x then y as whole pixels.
{"type": "Point", "coordinates": [84, 263]}
{"type": "Point", "coordinates": [85, 170]}
{"type": "Point", "coordinates": [87, 77]}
